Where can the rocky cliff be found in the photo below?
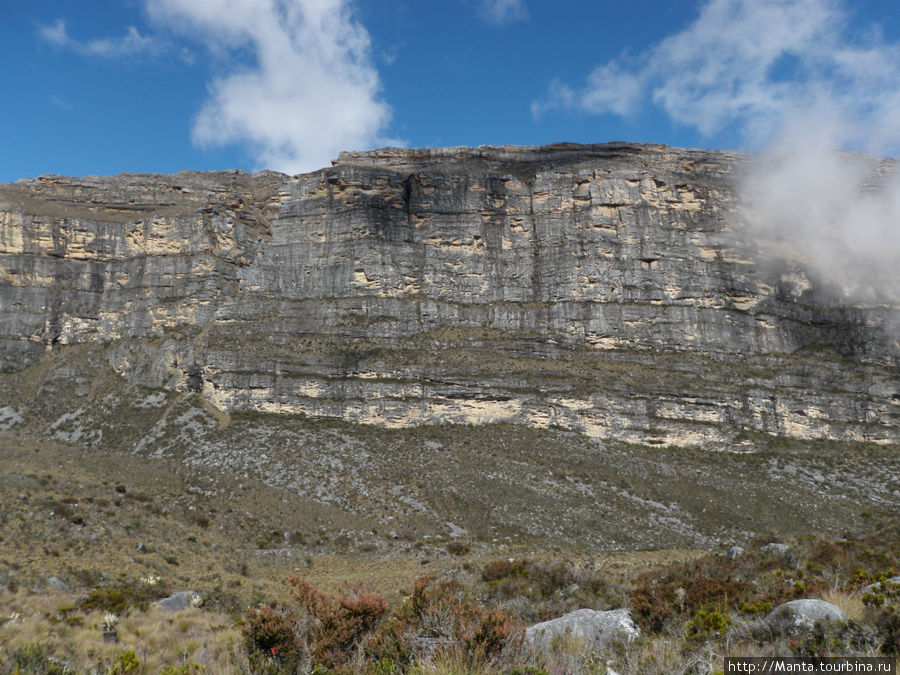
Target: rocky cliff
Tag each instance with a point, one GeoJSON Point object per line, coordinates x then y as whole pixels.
{"type": "Point", "coordinates": [608, 289]}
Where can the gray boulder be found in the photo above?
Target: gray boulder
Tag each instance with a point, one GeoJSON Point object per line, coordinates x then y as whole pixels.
{"type": "Point", "coordinates": [57, 584]}
{"type": "Point", "coordinates": [596, 629]}
{"type": "Point", "coordinates": [776, 549]}
{"type": "Point", "coordinates": [881, 586]}
{"type": "Point", "coordinates": [734, 553]}
{"type": "Point", "coordinates": [798, 616]}
{"type": "Point", "coordinates": [179, 601]}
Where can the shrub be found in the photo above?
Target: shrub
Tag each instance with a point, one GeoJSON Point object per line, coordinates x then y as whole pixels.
{"type": "Point", "coordinates": [308, 597]}
{"type": "Point", "coordinates": [550, 588]}
{"type": "Point", "coordinates": [59, 508]}
{"type": "Point", "coordinates": [390, 644]}
{"type": "Point", "coordinates": [501, 569]}
{"type": "Point", "coordinates": [436, 609]}
{"type": "Point", "coordinates": [887, 592]}
{"type": "Point", "coordinates": [650, 603]}
{"type": "Point", "coordinates": [457, 548]}
{"type": "Point", "coordinates": [888, 624]}
{"type": "Point", "coordinates": [36, 658]}
{"type": "Point", "coordinates": [705, 624]}
{"type": "Point", "coordinates": [343, 626]}
{"type": "Point", "coordinates": [120, 597]}
{"type": "Point", "coordinates": [339, 626]}
{"type": "Point", "coordinates": [127, 662]}
{"type": "Point", "coordinates": [199, 519]}
{"type": "Point", "coordinates": [272, 633]}
{"type": "Point", "coordinates": [184, 669]}
{"type": "Point", "coordinates": [756, 608]}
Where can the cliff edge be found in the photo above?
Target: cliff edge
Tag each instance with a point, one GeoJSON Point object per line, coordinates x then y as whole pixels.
{"type": "Point", "coordinates": [611, 289]}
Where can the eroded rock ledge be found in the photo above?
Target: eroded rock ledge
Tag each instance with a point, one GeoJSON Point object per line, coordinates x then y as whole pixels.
{"type": "Point", "coordinates": [608, 289]}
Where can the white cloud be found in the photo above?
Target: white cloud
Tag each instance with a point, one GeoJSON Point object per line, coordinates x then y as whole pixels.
{"type": "Point", "coordinates": [610, 88]}
{"type": "Point", "coordinates": [745, 63]}
{"type": "Point", "coordinates": [727, 66]}
{"type": "Point", "coordinates": [788, 77]}
{"type": "Point", "coordinates": [55, 33]}
{"type": "Point", "coordinates": [502, 11]}
{"type": "Point", "coordinates": [309, 91]}
{"type": "Point", "coordinates": [132, 43]}
{"type": "Point", "coordinates": [837, 211]}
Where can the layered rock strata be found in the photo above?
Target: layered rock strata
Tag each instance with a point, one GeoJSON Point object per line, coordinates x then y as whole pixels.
{"type": "Point", "coordinates": [609, 289]}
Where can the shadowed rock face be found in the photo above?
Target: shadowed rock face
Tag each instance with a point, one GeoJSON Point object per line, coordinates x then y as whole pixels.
{"type": "Point", "coordinates": [608, 289]}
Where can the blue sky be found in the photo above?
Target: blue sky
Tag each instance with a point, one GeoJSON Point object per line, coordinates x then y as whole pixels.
{"type": "Point", "coordinates": [162, 85]}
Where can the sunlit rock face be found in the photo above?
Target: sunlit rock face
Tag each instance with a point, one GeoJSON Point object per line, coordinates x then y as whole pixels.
{"type": "Point", "coordinates": [608, 289]}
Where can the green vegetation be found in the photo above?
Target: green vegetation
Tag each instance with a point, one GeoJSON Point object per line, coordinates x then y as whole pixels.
{"type": "Point", "coordinates": [512, 525]}
{"type": "Point", "coordinates": [472, 619]}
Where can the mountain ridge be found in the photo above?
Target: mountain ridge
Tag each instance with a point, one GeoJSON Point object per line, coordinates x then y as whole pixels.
{"type": "Point", "coordinates": [610, 289]}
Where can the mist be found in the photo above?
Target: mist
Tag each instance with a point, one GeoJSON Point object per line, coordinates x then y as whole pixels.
{"type": "Point", "coordinates": [807, 198]}
{"type": "Point", "coordinates": [814, 100]}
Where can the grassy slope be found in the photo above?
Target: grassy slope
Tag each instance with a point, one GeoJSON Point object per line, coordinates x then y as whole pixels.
{"type": "Point", "coordinates": [229, 507]}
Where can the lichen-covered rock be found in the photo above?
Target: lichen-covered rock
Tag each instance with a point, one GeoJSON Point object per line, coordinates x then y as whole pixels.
{"type": "Point", "coordinates": [180, 601]}
{"type": "Point", "coordinates": [891, 586]}
{"type": "Point", "coordinates": [799, 616]}
{"type": "Point", "coordinates": [734, 552]}
{"type": "Point", "coordinates": [57, 584]}
{"type": "Point", "coordinates": [589, 628]}
{"type": "Point", "coordinates": [777, 549]}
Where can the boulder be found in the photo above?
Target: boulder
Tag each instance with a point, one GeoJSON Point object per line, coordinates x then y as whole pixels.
{"type": "Point", "coordinates": [776, 549]}
{"type": "Point", "coordinates": [179, 601]}
{"type": "Point", "coordinates": [734, 553]}
{"type": "Point", "coordinates": [882, 586]}
{"type": "Point", "coordinates": [798, 616]}
{"type": "Point", "coordinates": [58, 584]}
{"type": "Point", "coordinates": [596, 629]}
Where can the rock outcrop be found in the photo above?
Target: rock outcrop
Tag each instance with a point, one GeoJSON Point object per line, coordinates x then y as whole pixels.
{"type": "Point", "coordinates": [605, 289]}
{"type": "Point", "coordinates": [799, 616]}
{"type": "Point", "coordinates": [180, 601]}
{"type": "Point", "coordinates": [588, 628]}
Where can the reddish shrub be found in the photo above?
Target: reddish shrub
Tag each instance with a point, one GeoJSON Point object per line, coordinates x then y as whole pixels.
{"type": "Point", "coordinates": [339, 625]}
{"type": "Point", "coordinates": [272, 629]}
{"type": "Point", "coordinates": [308, 597]}
{"type": "Point", "coordinates": [478, 630]}
{"type": "Point", "coordinates": [651, 603]}
{"type": "Point", "coordinates": [491, 632]}
{"type": "Point", "coordinates": [343, 626]}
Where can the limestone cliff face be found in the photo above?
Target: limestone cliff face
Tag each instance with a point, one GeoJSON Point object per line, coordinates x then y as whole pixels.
{"type": "Point", "coordinates": [607, 289]}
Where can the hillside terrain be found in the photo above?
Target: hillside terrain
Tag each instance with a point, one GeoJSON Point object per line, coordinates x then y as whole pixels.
{"type": "Point", "coordinates": [422, 361]}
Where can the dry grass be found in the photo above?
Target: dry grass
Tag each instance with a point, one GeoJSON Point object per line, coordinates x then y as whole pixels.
{"type": "Point", "coordinates": [453, 662]}
{"type": "Point", "coordinates": [655, 656]}
{"type": "Point", "coordinates": [158, 638]}
{"type": "Point", "coordinates": [849, 602]}
{"type": "Point", "coordinates": [79, 513]}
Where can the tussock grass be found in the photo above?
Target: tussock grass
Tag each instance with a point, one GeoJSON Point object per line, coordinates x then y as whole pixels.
{"type": "Point", "coordinates": [848, 601]}
{"type": "Point", "coordinates": [49, 623]}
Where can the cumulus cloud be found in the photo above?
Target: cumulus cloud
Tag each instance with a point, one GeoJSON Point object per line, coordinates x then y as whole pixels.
{"type": "Point", "coordinates": [739, 63]}
{"type": "Point", "coordinates": [502, 11]}
{"type": "Point", "coordinates": [130, 44]}
{"type": "Point", "coordinates": [308, 90]}
{"type": "Point", "coordinates": [609, 88]}
{"type": "Point", "coordinates": [789, 79]}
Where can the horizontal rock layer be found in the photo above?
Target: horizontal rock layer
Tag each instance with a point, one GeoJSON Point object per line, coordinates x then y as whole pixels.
{"type": "Point", "coordinates": [610, 289]}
